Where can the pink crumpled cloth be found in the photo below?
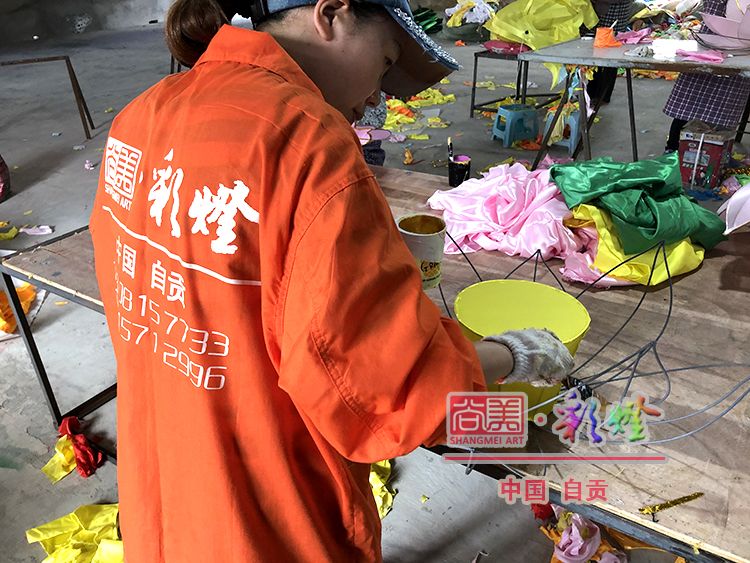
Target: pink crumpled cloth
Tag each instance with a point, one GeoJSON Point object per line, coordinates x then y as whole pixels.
{"type": "Point", "coordinates": [511, 209]}
{"type": "Point", "coordinates": [518, 212]}
{"type": "Point", "coordinates": [579, 266]}
{"type": "Point", "coordinates": [635, 37]}
{"type": "Point", "coordinates": [708, 56]}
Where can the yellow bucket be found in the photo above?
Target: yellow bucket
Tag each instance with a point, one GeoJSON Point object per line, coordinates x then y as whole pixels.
{"type": "Point", "coordinates": [495, 306]}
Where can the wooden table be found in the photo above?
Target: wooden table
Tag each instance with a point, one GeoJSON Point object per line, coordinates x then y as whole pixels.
{"type": "Point", "coordinates": [581, 52]}
{"type": "Point", "coordinates": [710, 324]}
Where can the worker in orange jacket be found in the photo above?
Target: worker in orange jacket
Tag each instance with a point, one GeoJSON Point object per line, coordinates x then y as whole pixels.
{"type": "Point", "coordinates": [271, 334]}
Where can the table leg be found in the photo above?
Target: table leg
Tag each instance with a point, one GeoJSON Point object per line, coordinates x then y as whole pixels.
{"type": "Point", "coordinates": [631, 111]}
{"type": "Point", "coordinates": [583, 120]}
{"type": "Point", "coordinates": [83, 109]}
{"type": "Point", "coordinates": [28, 338]}
{"type": "Point", "coordinates": [743, 122]}
{"type": "Point", "coordinates": [519, 73]}
{"type": "Point", "coordinates": [548, 133]}
{"type": "Point", "coordinates": [474, 86]}
{"type": "Point", "coordinates": [524, 80]}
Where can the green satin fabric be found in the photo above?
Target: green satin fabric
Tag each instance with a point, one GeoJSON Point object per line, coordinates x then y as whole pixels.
{"type": "Point", "coordinates": [645, 199]}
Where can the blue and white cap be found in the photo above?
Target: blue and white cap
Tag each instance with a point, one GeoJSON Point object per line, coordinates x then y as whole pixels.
{"type": "Point", "coordinates": [422, 62]}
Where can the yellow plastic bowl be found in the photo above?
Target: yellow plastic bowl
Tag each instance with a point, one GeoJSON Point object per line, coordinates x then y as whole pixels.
{"type": "Point", "coordinates": [494, 306]}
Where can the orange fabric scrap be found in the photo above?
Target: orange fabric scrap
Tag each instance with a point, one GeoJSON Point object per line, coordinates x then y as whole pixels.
{"type": "Point", "coordinates": [460, 43]}
{"type": "Point", "coordinates": [605, 37]}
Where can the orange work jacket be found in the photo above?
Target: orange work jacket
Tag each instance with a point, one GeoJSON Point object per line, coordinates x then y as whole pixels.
{"type": "Point", "coordinates": [271, 335]}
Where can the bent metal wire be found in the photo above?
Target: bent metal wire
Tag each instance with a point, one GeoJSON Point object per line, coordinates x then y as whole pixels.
{"type": "Point", "coordinates": [626, 368]}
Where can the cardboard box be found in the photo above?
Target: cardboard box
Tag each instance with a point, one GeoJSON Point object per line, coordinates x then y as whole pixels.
{"type": "Point", "coordinates": [711, 147]}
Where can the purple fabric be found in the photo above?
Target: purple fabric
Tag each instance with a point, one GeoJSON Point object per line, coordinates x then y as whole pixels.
{"type": "Point", "coordinates": [635, 37]}
{"type": "Point", "coordinates": [717, 100]}
{"type": "Point", "coordinates": [511, 210]}
{"type": "Point", "coordinates": [708, 56]}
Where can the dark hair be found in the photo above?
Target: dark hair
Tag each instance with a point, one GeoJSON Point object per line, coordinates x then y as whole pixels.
{"type": "Point", "coordinates": [191, 24]}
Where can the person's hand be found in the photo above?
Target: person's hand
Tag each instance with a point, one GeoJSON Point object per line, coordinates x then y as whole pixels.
{"type": "Point", "coordinates": [537, 355]}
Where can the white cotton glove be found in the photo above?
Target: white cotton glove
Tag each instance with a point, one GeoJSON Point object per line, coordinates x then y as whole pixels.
{"type": "Point", "coordinates": [537, 355]}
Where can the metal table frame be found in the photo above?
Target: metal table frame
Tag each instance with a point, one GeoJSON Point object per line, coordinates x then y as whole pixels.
{"type": "Point", "coordinates": [552, 55]}
{"type": "Point", "coordinates": [83, 109]}
{"type": "Point", "coordinates": [522, 76]}
{"type": "Point", "coordinates": [89, 405]}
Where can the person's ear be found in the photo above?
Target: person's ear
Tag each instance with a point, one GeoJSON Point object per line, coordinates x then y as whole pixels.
{"type": "Point", "coordinates": [325, 15]}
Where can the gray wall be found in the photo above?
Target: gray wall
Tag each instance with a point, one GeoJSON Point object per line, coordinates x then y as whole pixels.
{"type": "Point", "coordinates": [20, 20]}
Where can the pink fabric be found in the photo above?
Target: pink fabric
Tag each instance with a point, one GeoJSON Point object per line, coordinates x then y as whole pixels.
{"type": "Point", "coordinates": [511, 209]}
{"type": "Point", "coordinates": [702, 56]}
{"type": "Point", "coordinates": [518, 212]}
{"type": "Point", "coordinates": [635, 37]}
{"type": "Point", "coordinates": [572, 547]}
{"type": "Point", "coordinates": [579, 266]}
{"type": "Point", "coordinates": [497, 46]}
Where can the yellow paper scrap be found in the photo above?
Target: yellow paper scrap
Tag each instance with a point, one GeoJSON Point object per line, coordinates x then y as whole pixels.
{"type": "Point", "coordinates": [423, 499]}
{"type": "Point", "coordinates": [408, 157]}
{"type": "Point", "coordinates": [88, 534]}
{"type": "Point", "coordinates": [29, 212]}
{"type": "Point", "coordinates": [9, 234]}
{"type": "Point", "coordinates": [430, 97]}
{"type": "Point", "coordinates": [61, 303]}
{"type": "Point", "coordinates": [63, 462]}
{"type": "Point", "coordinates": [420, 137]}
{"type": "Point", "coordinates": [380, 473]}
{"type": "Point", "coordinates": [445, 81]}
{"type": "Point", "coordinates": [457, 18]}
{"type": "Point", "coordinates": [26, 295]}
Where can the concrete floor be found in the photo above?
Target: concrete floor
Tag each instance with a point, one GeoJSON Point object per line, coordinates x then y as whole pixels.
{"type": "Point", "coordinates": [463, 514]}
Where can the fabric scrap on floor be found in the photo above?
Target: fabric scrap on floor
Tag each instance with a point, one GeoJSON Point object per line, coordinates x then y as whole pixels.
{"type": "Point", "coordinates": [87, 535]}
{"type": "Point", "coordinates": [62, 462]}
{"type": "Point", "coordinates": [511, 209]}
{"type": "Point", "coordinates": [88, 459]}
{"type": "Point", "coordinates": [380, 474]}
{"type": "Point", "coordinates": [645, 199]}
{"type": "Point", "coordinates": [26, 295]}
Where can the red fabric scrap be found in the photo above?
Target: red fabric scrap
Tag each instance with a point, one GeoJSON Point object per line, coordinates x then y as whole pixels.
{"type": "Point", "coordinates": [542, 512]}
{"type": "Point", "coordinates": [88, 459]}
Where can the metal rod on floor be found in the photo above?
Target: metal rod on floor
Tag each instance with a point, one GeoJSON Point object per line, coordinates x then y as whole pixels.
{"type": "Point", "coordinates": [631, 111]}
{"type": "Point", "coordinates": [28, 338]}
{"type": "Point", "coordinates": [79, 98]}
{"type": "Point", "coordinates": [524, 80]}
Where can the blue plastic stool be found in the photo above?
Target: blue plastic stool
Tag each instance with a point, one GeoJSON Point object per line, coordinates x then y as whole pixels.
{"type": "Point", "coordinates": [575, 133]}
{"type": "Point", "coordinates": [515, 122]}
